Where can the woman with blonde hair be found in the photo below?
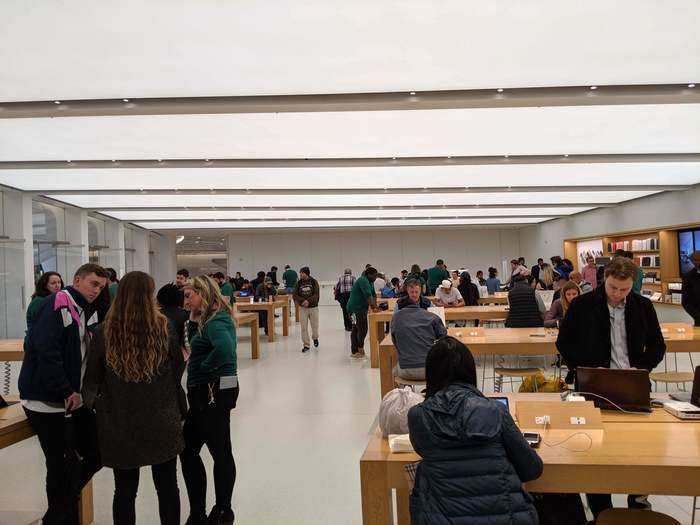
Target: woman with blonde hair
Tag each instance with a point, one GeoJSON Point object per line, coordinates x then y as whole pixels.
{"type": "Point", "coordinates": [557, 311]}
{"type": "Point", "coordinates": [546, 279]}
{"type": "Point", "coordinates": [212, 391]}
{"type": "Point", "coordinates": [132, 380]}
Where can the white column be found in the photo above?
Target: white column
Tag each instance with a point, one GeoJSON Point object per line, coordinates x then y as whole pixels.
{"type": "Point", "coordinates": [114, 238]}
{"type": "Point", "coordinates": [164, 258]}
{"type": "Point", "coordinates": [76, 234]}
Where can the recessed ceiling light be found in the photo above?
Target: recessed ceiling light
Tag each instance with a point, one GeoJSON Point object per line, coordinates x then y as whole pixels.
{"type": "Point", "coordinates": [207, 160]}
{"type": "Point", "coordinates": [160, 160]}
{"type": "Point", "coordinates": [393, 158]}
{"type": "Point", "coordinates": [500, 90]}
{"type": "Point", "coordinates": [114, 160]}
{"type": "Point", "coordinates": [69, 161]}
{"type": "Point", "coordinates": [506, 156]}
{"type": "Point", "coordinates": [594, 87]}
{"type": "Point", "coordinates": [412, 93]}
{"type": "Point", "coordinates": [566, 154]}
{"type": "Point", "coordinates": [56, 101]}
{"type": "Point", "coordinates": [125, 99]}
{"type": "Point", "coordinates": [449, 157]}
{"type": "Point", "coordinates": [179, 239]}
{"type": "Point", "coordinates": [691, 85]}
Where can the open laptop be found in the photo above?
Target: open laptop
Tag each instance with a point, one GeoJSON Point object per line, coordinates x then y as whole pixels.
{"type": "Point", "coordinates": [628, 389]}
{"type": "Point", "coordinates": [690, 397]}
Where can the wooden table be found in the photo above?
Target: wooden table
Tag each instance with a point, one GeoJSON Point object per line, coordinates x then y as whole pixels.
{"type": "Point", "coordinates": [376, 320]}
{"type": "Point", "coordinates": [270, 308]}
{"type": "Point", "coordinates": [11, 349]}
{"type": "Point", "coordinates": [250, 318]}
{"type": "Point", "coordinates": [645, 454]}
{"type": "Point", "coordinates": [519, 341]}
{"type": "Point", "coordinates": [14, 428]}
{"type": "Point", "coordinates": [497, 298]}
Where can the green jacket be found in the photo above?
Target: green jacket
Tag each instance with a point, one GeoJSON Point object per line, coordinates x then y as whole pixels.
{"type": "Point", "coordinates": [361, 291]}
{"type": "Point", "coordinates": [213, 350]}
{"type": "Point", "coordinates": [227, 291]}
{"type": "Point", "coordinates": [33, 309]}
{"type": "Point", "coordinates": [435, 277]}
{"type": "Point", "coordinates": [290, 278]}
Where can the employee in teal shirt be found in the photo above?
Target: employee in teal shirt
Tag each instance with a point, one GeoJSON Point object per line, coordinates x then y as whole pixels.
{"type": "Point", "coordinates": [436, 275]}
{"type": "Point", "coordinates": [290, 279]}
{"type": "Point", "coordinates": [362, 298]}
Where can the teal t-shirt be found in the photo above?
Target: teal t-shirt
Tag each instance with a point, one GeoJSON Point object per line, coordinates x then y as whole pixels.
{"type": "Point", "coordinates": [436, 276]}
{"type": "Point", "coordinates": [226, 289]}
{"type": "Point", "coordinates": [113, 288]}
{"type": "Point", "coordinates": [290, 278]}
{"type": "Point", "coordinates": [361, 291]}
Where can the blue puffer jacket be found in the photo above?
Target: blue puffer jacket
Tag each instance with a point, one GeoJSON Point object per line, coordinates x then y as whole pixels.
{"type": "Point", "coordinates": [474, 462]}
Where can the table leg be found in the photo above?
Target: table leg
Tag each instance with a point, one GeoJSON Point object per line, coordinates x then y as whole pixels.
{"type": "Point", "coordinates": [271, 323]}
{"type": "Point", "coordinates": [374, 328]}
{"type": "Point", "coordinates": [255, 339]}
{"type": "Point", "coordinates": [386, 371]}
{"type": "Point", "coordinates": [285, 320]}
{"type": "Point", "coordinates": [377, 508]}
{"type": "Point", "coordinates": [402, 513]}
{"type": "Point", "coordinates": [85, 507]}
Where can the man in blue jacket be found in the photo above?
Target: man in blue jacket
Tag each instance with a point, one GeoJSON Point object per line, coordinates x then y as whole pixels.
{"type": "Point", "coordinates": [49, 387]}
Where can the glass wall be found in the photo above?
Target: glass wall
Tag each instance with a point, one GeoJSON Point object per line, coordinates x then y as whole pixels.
{"type": "Point", "coordinates": [96, 241]}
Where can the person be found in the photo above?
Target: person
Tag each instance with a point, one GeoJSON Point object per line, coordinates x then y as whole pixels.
{"type": "Point", "coordinates": [448, 296]}
{"type": "Point", "coordinates": [212, 392]}
{"type": "Point", "coordinates": [535, 270]}
{"type": "Point", "coordinates": [50, 382]}
{"type": "Point", "coordinates": [545, 281]}
{"type": "Point", "coordinates": [557, 310]}
{"type": "Point", "coordinates": [181, 279]}
{"type": "Point", "coordinates": [224, 285]}
{"type": "Point", "coordinates": [589, 272]}
{"type": "Point", "coordinates": [379, 283]}
{"type": "Point", "coordinates": [408, 298]}
{"type": "Point", "coordinates": [468, 290]}
{"type": "Point", "coordinates": [413, 331]}
{"type": "Point", "coordinates": [690, 298]}
{"type": "Point", "coordinates": [454, 277]}
{"type": "Point", "coordinates": [260, 279]}
{"type": "Point", "coordinates": [245, 288]}
{"type": "Point", "coordinates": [168, 299]}
{"type": "Point", "coordinates": [392, 289]}
{"type": "Point", "coordinates": [264, 292]}
{"type": "Point", "coordinates": [526, 306]}
{"type": "Point", "coordinates": [561, 267]}
{"type": "Point", "coordinates": [436, 275]}
{"type": "Point", "coordinates": [612, 328]}
{"type": "Point", "coordinates": [493, 283]}
{"type": "Point", "coordinates": [306, 294]}
{"type": "Point", "coordinates": [578, 279]}
{"type": "Point", "coordinates": [49, 283]}
{"type": "Point", "coordinates": [480, 278]}
{"type": "Point", "coordinates": [362, 298]}
{"type": "Point", "coordinates": [402, 279]}
{"type": "Point", "coordinates": [475, 459]}
{"type": "Point", "coordinates": [516, 269]}
{"type": "Point", "coordinates": [416, 273]}
{"type": "Point", "coordinates": [639, 278]}
{"type": "Point", "coordinates": [290, 278]}
{"type": "Point", "coordinates": [272, 274]}
{"type": "Point", "coordinates": [135, 364]}
{"type": "Point", "coordinates": [342, 291]}
{"type": "Point", "coordinates": [113, 283]}
{"type": "Point", "coordinates": [238, 281]}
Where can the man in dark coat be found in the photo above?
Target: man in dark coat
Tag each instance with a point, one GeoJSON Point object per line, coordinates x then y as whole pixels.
{"type": "Point", "coordinates": [691, 290]}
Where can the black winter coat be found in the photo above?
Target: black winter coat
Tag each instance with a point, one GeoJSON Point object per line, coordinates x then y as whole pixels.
{"type": "Point", "coordinates": [584, 334]}
{"type": "Point", "coordinates": [474, 462]}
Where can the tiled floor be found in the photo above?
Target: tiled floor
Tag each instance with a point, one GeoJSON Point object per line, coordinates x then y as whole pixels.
{"type": "Point", "coordinates": [299, 430]}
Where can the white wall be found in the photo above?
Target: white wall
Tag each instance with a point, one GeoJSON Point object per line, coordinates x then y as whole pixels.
{"type": "Point", "coordinates": [328, 253]}
{"type": "Point", "coordinates": [665, 209]}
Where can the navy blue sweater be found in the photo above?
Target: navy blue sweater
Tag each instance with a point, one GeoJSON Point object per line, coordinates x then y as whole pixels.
{"type": "Point", "coordinates": [52, 358]}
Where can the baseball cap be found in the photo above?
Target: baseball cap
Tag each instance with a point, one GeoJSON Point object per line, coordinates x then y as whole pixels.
{"type": "Point", "coordinates": [446, 284]}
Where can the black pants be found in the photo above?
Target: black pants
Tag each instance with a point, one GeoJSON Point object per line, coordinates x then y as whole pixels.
{"type": "Point", "coordinates": [262, 319]}
{"type": "Point", "coordinates": [65, 477]}
{"type": "Point", "coordinates": [126, 484]}
{"type": "Point", "coordinates": [208, 425]}
{"type": "Point", "coordinates": [343, 300]}
{"type": "Point", "coordinates": [359, 331]}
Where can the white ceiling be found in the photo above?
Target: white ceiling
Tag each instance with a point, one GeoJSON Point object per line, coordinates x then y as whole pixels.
{"type": "Point", "coordinates": [544, 175]}
{"type": "Point", "coordinates": [164, 48]}
{"type": "Point", "coordinates": [673, 128]}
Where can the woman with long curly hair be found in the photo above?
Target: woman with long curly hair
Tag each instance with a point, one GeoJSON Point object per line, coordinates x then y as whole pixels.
{"type": "Point", "coordinates": [132, 380]}
{"type": "Point", "coordinates": [212, 391]}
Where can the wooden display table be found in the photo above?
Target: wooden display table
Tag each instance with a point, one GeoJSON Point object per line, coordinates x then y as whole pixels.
{"type": "Point", "coordinates": [497, 298]}
{"type": "Point", "coordinates": [376, 320]}
{"type": "Point", "coordinates": [638, 454]}
{"type": "Point", "coordinates": [520, 341]}
{"type": "Point", "coordinates": [14, 428]}
{"type": "Point", "coordinates": [270, 308]}
{"type": "Point", "coordinates": [250, 318]}
{"type": "Point", "coordinates": [11, 349]}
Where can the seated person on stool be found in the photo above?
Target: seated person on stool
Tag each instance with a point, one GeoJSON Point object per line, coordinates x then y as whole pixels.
{"type": "Point", "coordinates": [612, 328]}
{"type": "Point", "coordinates": [448, 296]}
{"type": "Point", "coordinates": [413, 331]}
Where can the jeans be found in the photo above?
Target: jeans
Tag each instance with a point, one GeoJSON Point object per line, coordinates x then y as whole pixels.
{"type": "Point", "coordinates": [210, 426]}
{"type": "Point", "coordinates": [65, 479]}
{"type": "Point", "coordinates": [309, 315]}
{"type": "Point", "coordinates": [126, 484]}
{"type": "Point", "coordinates": [359, 332]}
{"type": "Point", "coordinates": [262, 319]}
{"type": "Point", "coordinates": [347, 318]}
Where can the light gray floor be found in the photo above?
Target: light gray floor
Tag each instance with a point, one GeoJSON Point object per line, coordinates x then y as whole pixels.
{"type": "Point", "coordinates": [300, 427]}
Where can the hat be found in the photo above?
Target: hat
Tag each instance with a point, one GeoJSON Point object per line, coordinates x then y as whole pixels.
{"type": "Point", "coordinates": [268, 280]}
{"type": "Point", "coordinates": [446, 284]}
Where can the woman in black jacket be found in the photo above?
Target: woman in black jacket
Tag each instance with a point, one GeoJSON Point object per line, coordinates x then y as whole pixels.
{"type": "Point", "coordinates": [474, 457]}
{"type": "Point", "coordinates": [469, 291]}
{"type": "Point", "coordinates": [132, 380]}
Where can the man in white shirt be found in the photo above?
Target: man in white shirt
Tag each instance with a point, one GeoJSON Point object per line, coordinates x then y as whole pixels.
{"type": "Point", "coordinates": [448, 296]}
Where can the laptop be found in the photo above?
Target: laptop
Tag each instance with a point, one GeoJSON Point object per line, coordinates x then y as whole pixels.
{"type": "Point", "coordinates": [690, 397]}
{"type": "Point", "coordinates": [628, 389]}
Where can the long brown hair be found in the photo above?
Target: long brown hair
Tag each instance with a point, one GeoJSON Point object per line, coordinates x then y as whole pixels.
{"type": "Point", "coordinates": [135, 332]}
{"type": "Point", "coordinates": [570, 285]}
{"type": "Point", "coordinates": [212, 300]}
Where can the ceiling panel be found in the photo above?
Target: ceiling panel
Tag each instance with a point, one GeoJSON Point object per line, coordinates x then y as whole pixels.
{"type": "Point", "coordinates": [484, 131]}
{"type": "Point", "coordinates": [100, 201]}
{"type": "Point", "coordinates": [249, 47]}
{"type": "Point", "coordinates": [366, 177]}
{"type": "Point", "coordinates": [155, 215]}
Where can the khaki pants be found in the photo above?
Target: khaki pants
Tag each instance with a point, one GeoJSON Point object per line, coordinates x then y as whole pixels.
{"type": "Point", "coordinates": [309, 314]}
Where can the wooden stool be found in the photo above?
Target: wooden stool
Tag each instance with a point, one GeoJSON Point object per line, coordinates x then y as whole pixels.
{"type": "Point", "coordinates": [400, 381]}
{"type": "Point", "coordinates": [636, 516]}
{"type": "Point", "coordinates": [517, 372]}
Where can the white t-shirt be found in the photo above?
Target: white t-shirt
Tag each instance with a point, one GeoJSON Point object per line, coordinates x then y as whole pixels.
{"type": "Point", "coordinates": [450, 296]}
